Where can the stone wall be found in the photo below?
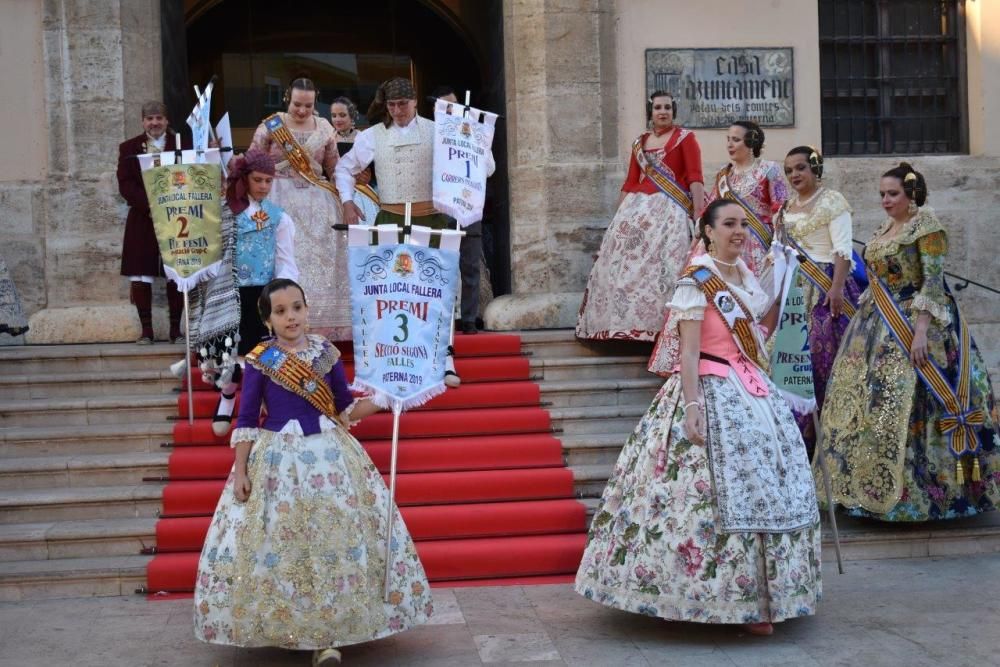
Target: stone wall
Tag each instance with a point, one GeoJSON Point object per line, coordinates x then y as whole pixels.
{"type": "Point", "coordinates": [61, 237]}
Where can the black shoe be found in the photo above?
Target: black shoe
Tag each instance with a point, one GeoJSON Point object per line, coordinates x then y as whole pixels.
{"type": "Point", "coordinates": [469, 328]}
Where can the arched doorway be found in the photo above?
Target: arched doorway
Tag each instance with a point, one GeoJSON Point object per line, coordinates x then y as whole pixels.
{"type": "Point", "coordinates": [256, 47]}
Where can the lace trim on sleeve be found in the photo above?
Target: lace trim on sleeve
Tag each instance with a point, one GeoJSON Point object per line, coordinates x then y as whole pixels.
{"type": "Point", "coordinates": [938, 311]}
{"type": "Point", "coordinates": [243, 435]}
{"type": "Point", "coordinates": [345, 415]}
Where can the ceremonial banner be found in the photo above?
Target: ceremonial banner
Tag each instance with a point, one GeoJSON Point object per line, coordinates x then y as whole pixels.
{"type": "Point", "coordinates": [461, 149]}
{"type": "Point", "coordinates": [791, 361]}
{"type": "Point", "coordinates": [184, 201]}
{"type": "Point", "coordinates": [199, 119]}
{"type": "Point", "coordinates": [402, 300]}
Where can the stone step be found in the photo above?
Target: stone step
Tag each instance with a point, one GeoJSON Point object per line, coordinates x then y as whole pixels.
{"type": "Point", "coordinates": [589, 393]}
{"type": "Point", "coordinates": [61, 359]}
{"type": "Point", "coordinates": [600, 449]}
{"type": "Point", "coordinates": [87, 502]}
{"type": "Point", "coordinates": [555, 343]}
{"type": "Point", "coordinates": [88, 411]}
{"type": "Point", "coordinates": [76, 539]}
{"type": "Point", "coordinates": [589, 368]}
{"type": "Point", "coordinates": [72, 577]}
{"type": "Point", "coordinates": [618, 420]}
{"type": "Point", "coordinates": [60, 440]}
{"type": "Point", "coordinates": [88, 383]}
{"type": "Point", "coordinates": [589, 480]}
{"type": "Point", "coordinates": [119, 469]}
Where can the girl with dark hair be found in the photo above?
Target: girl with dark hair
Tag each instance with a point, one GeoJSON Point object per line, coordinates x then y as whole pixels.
{"type": "Point", "coordinates": [296, 553]}
{"type": "Point", "coordinates": [909, 423]}
{"type": "Point", "coordinates": [710, 513]}
{"type": "Point", "coordinates": [755, 184]}
{"type": "Point", "coordinates": [304, 148]}
{"type": "Point", "coordinates": [816, 222]}
{"type": "Point", "coordinates": [645, 245]}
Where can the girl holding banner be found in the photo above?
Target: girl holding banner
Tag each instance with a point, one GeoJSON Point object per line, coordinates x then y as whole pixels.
{"type": "Point", "coordinates": [909, 421]}
{"type": "Point", "coordinates": [296, 552]}
{"type": "Point", "coordinates": [816, 223]}
{"type": "Point", "coordinates": [304, 148]}
{"type": "Point", "coordinates": [710, 514]}
{"type": "Point", "coordinates": [645, 245]}
{"type": "Point", "coordinates": [756, 185]}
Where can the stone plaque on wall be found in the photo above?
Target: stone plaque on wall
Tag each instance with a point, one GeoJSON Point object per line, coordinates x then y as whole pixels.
{"type": "Point", "coordinates": [714, 87]}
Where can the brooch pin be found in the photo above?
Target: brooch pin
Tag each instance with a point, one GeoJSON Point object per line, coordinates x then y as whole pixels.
{"type": "Point", "coordinates": [260, 217]}
{"type": "Point", "coordinates": [726, 303]}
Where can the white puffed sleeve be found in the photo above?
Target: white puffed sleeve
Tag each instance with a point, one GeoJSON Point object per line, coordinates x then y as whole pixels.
{"type": "Point", "coordinates": [284, 259]}
{"type": "Point", "coordinates": [688, 302]}
{"type": "Point", "coordinates": [841, 236]}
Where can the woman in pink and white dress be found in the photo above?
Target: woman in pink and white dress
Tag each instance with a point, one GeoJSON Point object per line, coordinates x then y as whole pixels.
{"type": "Point", "coordinates": [710, 513]}
{"type": "Point", "coordinates": [645, 245]}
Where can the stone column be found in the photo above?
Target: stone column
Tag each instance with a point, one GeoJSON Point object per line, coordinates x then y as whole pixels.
{"type": "Point", "coordinates": [562, 116]}
{"type": "Point", "coordinates": [102, 60]}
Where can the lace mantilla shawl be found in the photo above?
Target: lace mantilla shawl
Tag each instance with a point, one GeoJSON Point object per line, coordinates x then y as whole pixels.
{"type": "Point", "coordinates": [923, 223]}
{"type": "Point", "coordinates": [830, 205]}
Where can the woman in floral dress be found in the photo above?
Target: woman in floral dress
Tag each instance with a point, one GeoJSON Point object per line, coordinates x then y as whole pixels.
{"type": "Point", "coordinates": [320, 251]}
{"type": "Point", "coordinates": [710, 514]}
{"type": "Point", "coordinates": [757, 184]}
{"type": "Point", "coordinates": [296, 553]}
{"type": "Point", "coordinates": [645, 245]}
{"type": "Point", "coordinates": [893, 453]}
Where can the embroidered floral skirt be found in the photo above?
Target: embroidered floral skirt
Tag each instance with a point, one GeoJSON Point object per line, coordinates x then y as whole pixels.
{"type": "Point", "coordinates": [887, 456]}
{"type": "Point", "coordinates": [824, 335]}
{"type": "Point", "coordinates": [301, 564]}
{"type": "Point", "coordinates": [643, 252]}
{"type": "Point", "coordinates": [320, 254]}
{"type": "Point", "coordinates": [656, 546]}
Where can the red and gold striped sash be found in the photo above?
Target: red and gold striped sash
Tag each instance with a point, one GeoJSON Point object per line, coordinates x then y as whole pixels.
{"type": "Point", "coordinates": [295, 154]}
{"type": "Point", "coordinates": [293, 374]}
{"type": "Point", "coordinates": [959, 422]}
{"type": "Point", "coordinates": [662, 178]}
{"type": "Point", "coordinates": [817, 276]}
{"type": "Point", "coordinates": [757, 226]}
{"type": "Point", "coordinates": [742, 326]}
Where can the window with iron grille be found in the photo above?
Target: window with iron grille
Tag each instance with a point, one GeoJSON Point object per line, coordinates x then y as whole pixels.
{"type": "Point", "coordinates": [892, 76]}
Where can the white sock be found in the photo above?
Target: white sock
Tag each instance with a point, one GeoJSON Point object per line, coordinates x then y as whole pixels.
{"type": "Point", "coordinates": [226, 405]}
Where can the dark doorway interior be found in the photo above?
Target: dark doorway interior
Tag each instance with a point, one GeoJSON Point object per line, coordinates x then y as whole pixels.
{"type": "Point", "coordinates": [256, 47]}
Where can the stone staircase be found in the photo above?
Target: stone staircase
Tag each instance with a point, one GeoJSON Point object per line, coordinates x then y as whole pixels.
{"type": "Point", "coordinates": [81, 426]}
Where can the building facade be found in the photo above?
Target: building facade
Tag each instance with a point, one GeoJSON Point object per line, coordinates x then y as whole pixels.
{"type": "Point", "coordinates": [871, 81]}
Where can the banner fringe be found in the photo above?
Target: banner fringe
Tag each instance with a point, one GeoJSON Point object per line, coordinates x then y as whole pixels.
{"type": "Point", "coordinates": [387, 401]}
{"type": "Point", "coordinates": [799, 404]}
{"type": "Point", "coordinates": [189, 283]}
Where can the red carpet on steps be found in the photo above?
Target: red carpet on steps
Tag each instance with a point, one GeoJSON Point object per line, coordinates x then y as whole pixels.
{"type": "Point", "coordinates": [482, 485]}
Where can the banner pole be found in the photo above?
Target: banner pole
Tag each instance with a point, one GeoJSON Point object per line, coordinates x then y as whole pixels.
{"type": "Point", "coordinates": [821, 459]}
{"type": "Point", "coordinates": [396, 410]}
{"type": "Point", "coordinates": [187, 355]}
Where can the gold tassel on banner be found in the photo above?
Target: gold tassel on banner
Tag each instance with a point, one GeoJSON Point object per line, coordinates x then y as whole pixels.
{"type": "Point", "coordinates": [959, 472]}
{"type": "Point", "coordinates": [976, 475]}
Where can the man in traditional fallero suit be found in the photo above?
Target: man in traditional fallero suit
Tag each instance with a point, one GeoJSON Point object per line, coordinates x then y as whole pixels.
{"type": "Point", "coordinates": [141, 261]}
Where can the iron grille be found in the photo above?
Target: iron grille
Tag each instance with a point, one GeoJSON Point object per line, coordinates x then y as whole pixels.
{"type": "Point", "coordinates": [892, 76]}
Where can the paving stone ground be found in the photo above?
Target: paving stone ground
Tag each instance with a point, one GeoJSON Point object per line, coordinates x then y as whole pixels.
{"type": "Point", "coordinates": [909, 612]}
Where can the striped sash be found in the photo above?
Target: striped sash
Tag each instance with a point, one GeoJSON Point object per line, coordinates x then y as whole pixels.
{"type": "Point", "coordinates": [757, 226]}
{"type": "Point", "coordinates": [959, 422]}
{"type": "Point", "coordinates": [295, 154]}
{"type": "Point", "coordinates": [662, 177]}
{"type": "Point", "coordinates": [734, 313]}
{"type": "Point", "coordinates": [817, 276]}
{"type": "Point", "coordinates": [295, 375]}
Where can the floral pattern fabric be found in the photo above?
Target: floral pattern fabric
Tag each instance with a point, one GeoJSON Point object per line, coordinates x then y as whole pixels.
{"type": "Point", "coordinates": [301, 564]}
{"type": "Point", "coordinates": [657, 547]}
{"type": "Point", "coordinates": [641, 255]}
{"type": "Point", "coordinates": [888, 458]}
{"type": "Point", "coordinates": [762, 186]}
{"type": "Point", "coordinates": [320, 251]}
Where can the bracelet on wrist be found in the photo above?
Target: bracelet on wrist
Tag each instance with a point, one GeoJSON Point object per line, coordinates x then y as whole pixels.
{"type": "Point", "coordinates": [690, 403]}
